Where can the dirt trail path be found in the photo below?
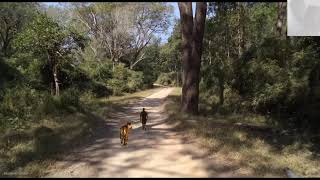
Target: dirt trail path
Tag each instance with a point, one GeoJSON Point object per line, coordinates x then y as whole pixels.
{"type": "Point", "coordinates": [157, 152]}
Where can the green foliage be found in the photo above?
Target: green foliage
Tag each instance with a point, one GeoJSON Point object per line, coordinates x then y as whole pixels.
{"type": "Point", "coordinates": [13, 19]}
{"type": "Point", "coordinates": [17, 107]}
{"type": "Point", "coordinates": [70, 97]}
{"type": "Point", "coordinates": [95, 76]}
{"type": "Point", "coordinates": [252, 70]}
{"type": "Point", "coordinates": [118, 83]}
{"type": "Point", "coordinates": [150, 67]}
{"type": "Point", "coordinates": [169, 79]}
{"type": "Point", "coordinates": [7, 74]}
{"type": "Point", "coordinates": [170, 59]}
{"type": "Point", "coordinates": [125, 80]}
{"type": "Point", "coordinates": [30, 69]}
{"type": "Point", "coordinates": [46, 141]}
{"type": "Point", "coordinates": [135, 81]}
{"type": "Point", "coordinates": [42, 36]}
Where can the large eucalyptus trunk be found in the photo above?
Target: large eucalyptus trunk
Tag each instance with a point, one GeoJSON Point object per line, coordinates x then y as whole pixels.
{"type": "Point", "coordinates": [185, 9]}
{"type": "Point", "coordinates": [192, 37]}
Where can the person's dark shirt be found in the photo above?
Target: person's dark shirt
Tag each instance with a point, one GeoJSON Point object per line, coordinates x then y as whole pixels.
{"type": "Point", "coordinates": [143, 115]}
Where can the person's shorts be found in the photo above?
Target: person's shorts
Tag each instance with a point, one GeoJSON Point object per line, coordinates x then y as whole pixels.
{"type": "Point", "coordinates": [144, 122]}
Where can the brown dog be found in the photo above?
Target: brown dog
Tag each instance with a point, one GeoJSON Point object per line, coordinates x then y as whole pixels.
{"type": "Point", "coordinates": [124, 133]}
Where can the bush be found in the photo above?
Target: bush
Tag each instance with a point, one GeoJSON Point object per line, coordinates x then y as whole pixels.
{"type": "Point", "coordinates": [101, 90]}
{"type": "Point", "coordinates": [49, 104]}
{"type": "Point", "coordinates": [125, 80]}
{"type": "Point", "coordinates": [18, 107]}
{"type": "Point", "coordinates": [118, 83]}
{"type": "Point", "coordinates": [60, 104]}
{"type": "Point", "coordinates": [135, 81]}
{"type": "Point", "coordinates": [70, 97]}
{"type": "Point", "coordinates": [46, 141]}
{"type": "Point", "coordinates": [169, 79]}
{"type": "Point", "coordinates": [117, 86]}
{"type": "Point", "coordinates": [87, 97]}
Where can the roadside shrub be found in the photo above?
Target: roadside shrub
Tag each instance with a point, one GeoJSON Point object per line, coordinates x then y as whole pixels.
{"type": "Point", "coordinates": [46, 140]}
{"type": "Point", "coordinates": [125, 80]}
{"type": "Point", "coordinates": [87, 97]}
{"type": "Point", "coordinates": [117, 86]}
{"type": "Point", "coordinates": [18, 107]}
{"type": "Point", "coordinates": [101, 90]}
{"type": "Point", "coordinates": [18, 102]}
{"type": "Point", "coordinates": [168, 79]}
{"type": "Point", "coordinates": [70, 97]}
{"type": "Point", "coordinates": [118, 83]}
{"type": "Point", "coordinates": [135, 81]}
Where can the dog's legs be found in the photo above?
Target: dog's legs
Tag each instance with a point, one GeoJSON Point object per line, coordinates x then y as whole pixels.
{"type": "Point", "coordinates": [121, 137]}
{"type": "Point", "coordinates": [126, 140]}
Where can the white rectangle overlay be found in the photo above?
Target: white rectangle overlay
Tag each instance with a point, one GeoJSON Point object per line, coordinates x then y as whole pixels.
{"type": "Point", "coordinates": [303, 17]}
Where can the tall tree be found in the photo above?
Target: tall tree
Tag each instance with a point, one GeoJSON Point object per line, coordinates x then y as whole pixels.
{"type": "Point", "coordinates": [218, 42]}
{"type": "Point", "coordinates": [192, 37]}
{"type": "Point", "coordinates": [281, 21]}
{"type": "Point", "coordinates": [13, 17]}
{"type": "Point", "coordinates": [122, 30]}
{"type": "Point", "coordinates": [45, 39]}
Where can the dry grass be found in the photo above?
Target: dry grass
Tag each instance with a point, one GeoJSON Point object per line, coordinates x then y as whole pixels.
{"type": "Point", "coordinates": [20, 157]}
{"type": "Point", "coordinates": [258, 152]}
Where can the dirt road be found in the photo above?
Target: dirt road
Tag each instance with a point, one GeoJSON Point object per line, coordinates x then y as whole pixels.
{"type": "Point", "coordinates": [158, 152]}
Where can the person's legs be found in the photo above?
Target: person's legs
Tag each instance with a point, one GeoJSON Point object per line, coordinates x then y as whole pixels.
{"type": "Point", "coordinates": [144, 124]}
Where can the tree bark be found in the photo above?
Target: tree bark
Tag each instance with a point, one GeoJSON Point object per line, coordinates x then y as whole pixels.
{"type": "Point", "coordinates": [54, 68]}
{"type": "Point", "coordinates": [281, 21]}
{"type": "Point", "coordinates": [239, 30]}
{"type": "Point", "coordinates": [192, 40]}
{"type": "Point", "coordinates": [51, 67]}
{"type": "Point", "coordinates": [221, 93]}
{"type": "Point", "coordinates": [241, 47]}
{"type": "Point", "coordinates": [185, 9]}
{"type": "Point", "coordinates": [56, 81]}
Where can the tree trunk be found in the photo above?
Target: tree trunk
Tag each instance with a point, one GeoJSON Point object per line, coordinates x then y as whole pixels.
{"type": "Point", "coordinates": [221, 88]}
{"type": "Point", "coordinates": [52, 88]}
{"type": "Point", "coordinates": [281, 22]}
{"type": "Point", "coordinates": [240, 33]}
{"type": "Point", "coordinates": [192, 37]}
{"type": "Point", "coordinates": [185, 9]}
{"type": "Point", "coordinates": [56, 81]}
{"type": "Point", "coordinates": [239, 30]}
{"type": "Point", "coordinates": [51, 66]}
